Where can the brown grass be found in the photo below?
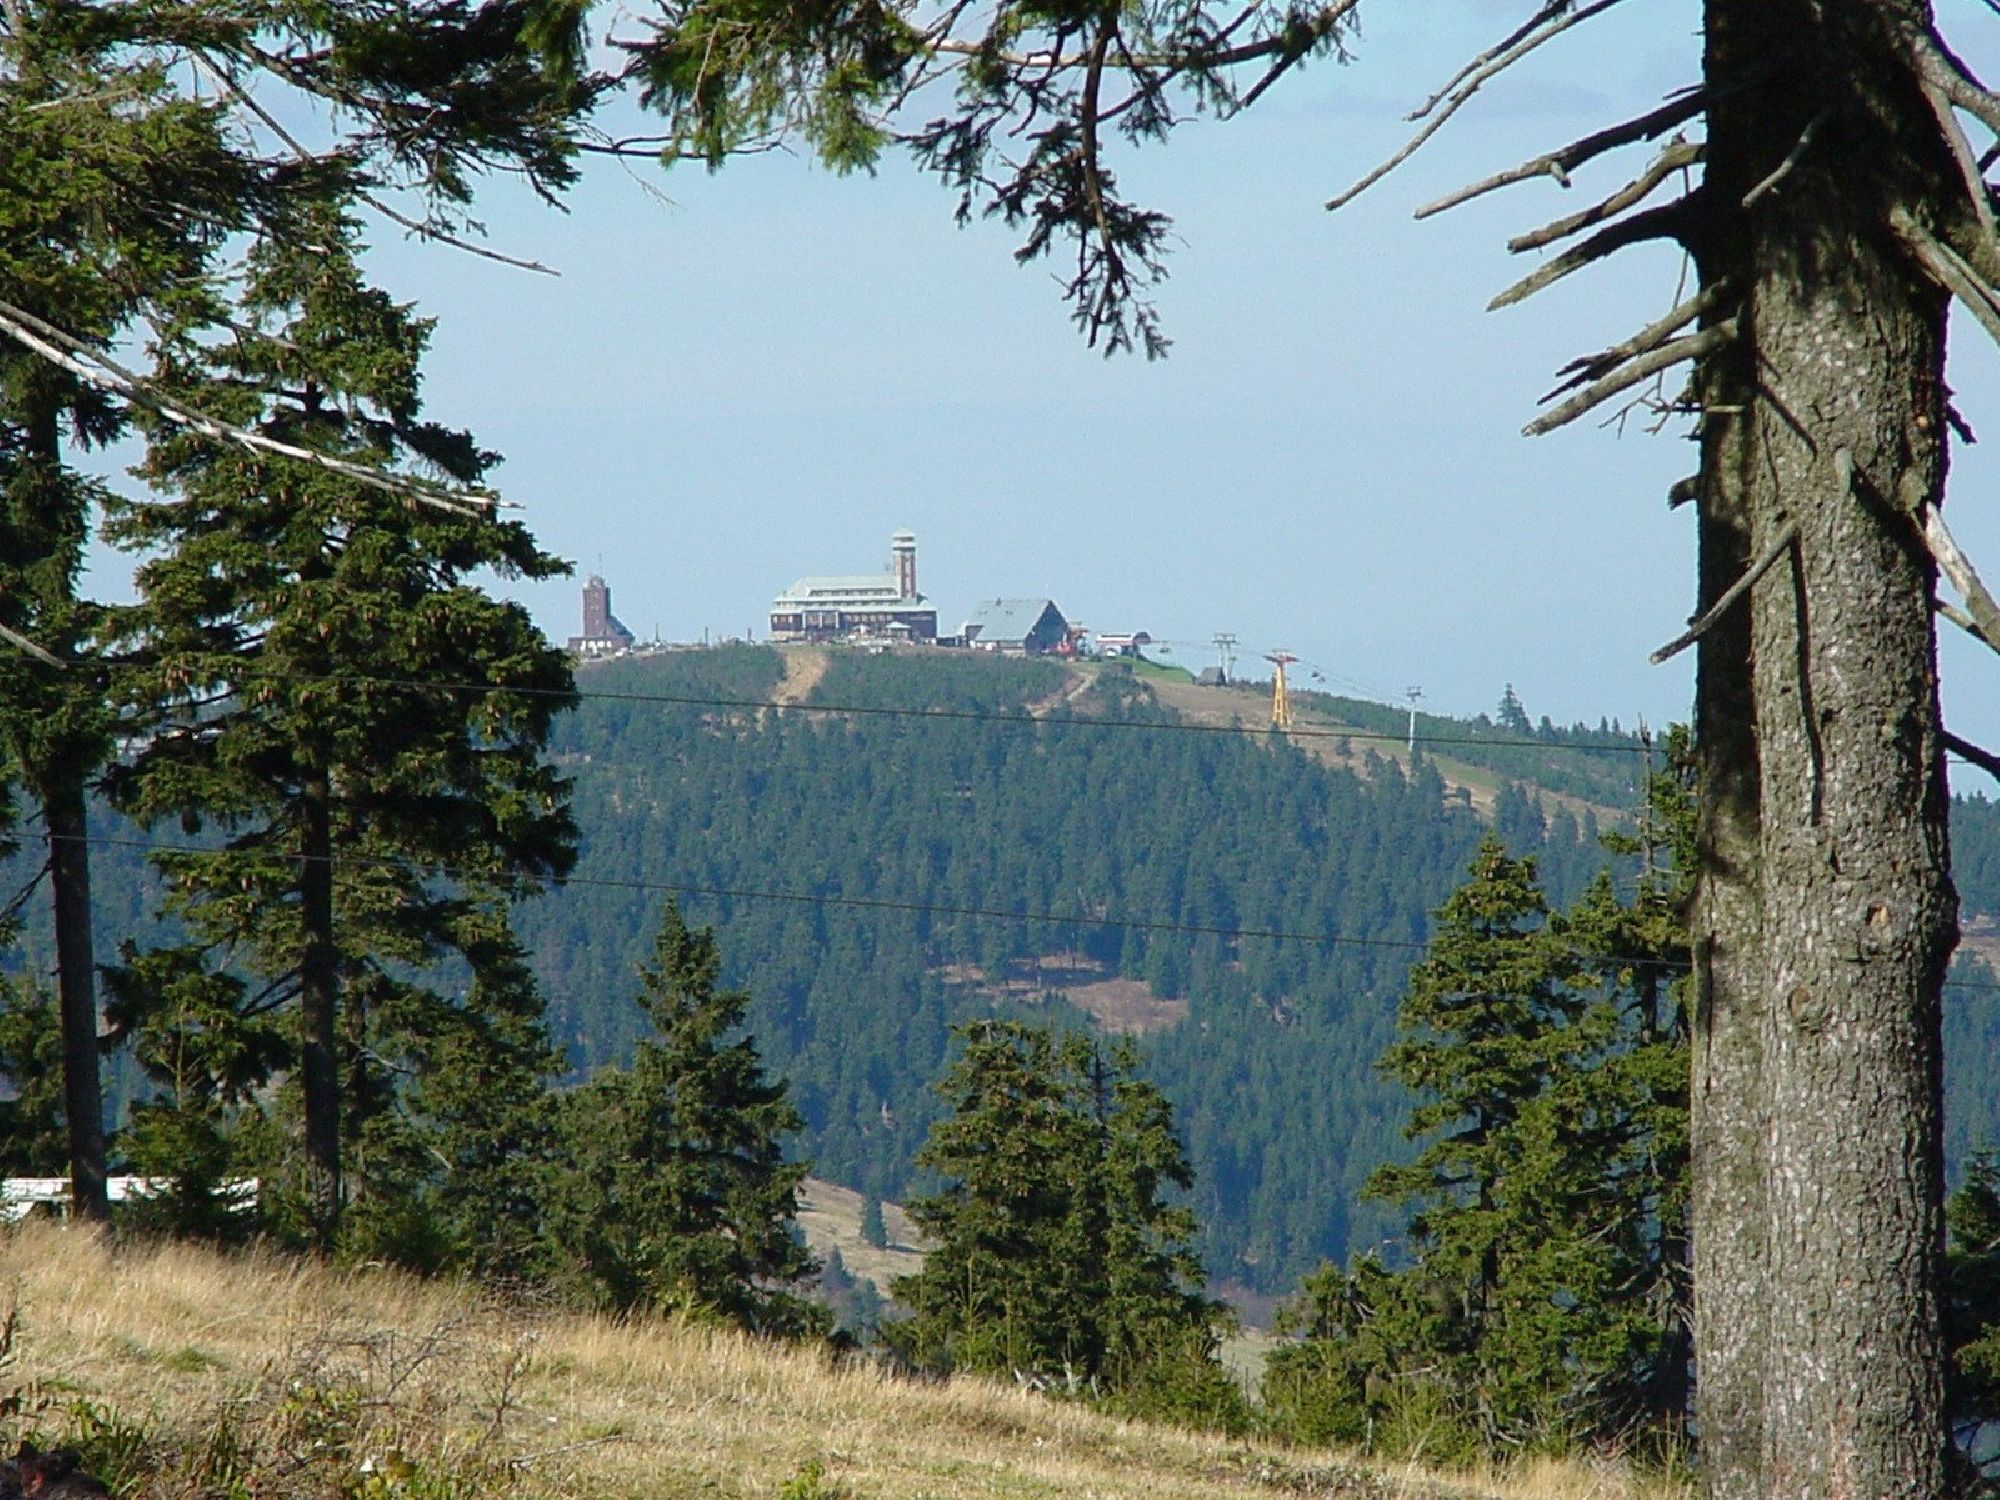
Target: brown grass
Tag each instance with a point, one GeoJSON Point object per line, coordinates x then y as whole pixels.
{"type": "Point", "coordinates": [349, 1382]}
{"type": "Point", "coordinates": [830, 1216]}
{"type": "Point", "coordinates": [805, 666]}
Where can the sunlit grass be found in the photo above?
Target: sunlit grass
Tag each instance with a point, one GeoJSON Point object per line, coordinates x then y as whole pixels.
{"type": "Point", "coordinates": [370, 1383]}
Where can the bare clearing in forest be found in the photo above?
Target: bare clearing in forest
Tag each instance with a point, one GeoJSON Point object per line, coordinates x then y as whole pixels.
{"type": "Point", "coordinates": [805, 666]}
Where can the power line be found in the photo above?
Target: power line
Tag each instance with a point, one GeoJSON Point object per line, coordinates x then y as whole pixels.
{"type": "Point", "coordinates": [863, 710]}
{"type": "Point", "coordinates": [798, 898]}
{"type": "Point", "coordinates": [864, 903]}
{"type": "Point", "coordinates": [1174, 726]}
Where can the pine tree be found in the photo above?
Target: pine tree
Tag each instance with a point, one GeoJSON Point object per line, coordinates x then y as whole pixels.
{"type": "Point", "coordinates": [356, 725]}
{"type": "Point", "coordinates": [874, 1228]}
{"type": "Point", "coordinates": [115, 192]}
{"type": "Point", "coordinates": [1638, 952]}
{"type": "Point", "coordinates": [1492, 1023]}
{"type": "Point", "coordinates": [130, 153]}
{"type": "Point", "coordinates": [1055, 1252]}
{"type": "Point", "coordinates": [1546, 1302]}
{"type": "Point", "coordinates": [676, 1193]}
{"type": "Point", "coordinates": [34, 1141]}
{"type": "Point", "coordinates": [1972, 1311]}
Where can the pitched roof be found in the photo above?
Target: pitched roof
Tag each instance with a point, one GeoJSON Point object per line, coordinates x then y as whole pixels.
{"type": "Point", "coordinates": [847, 591]}
{"type": "Point", "coordinates": [1008, 619]}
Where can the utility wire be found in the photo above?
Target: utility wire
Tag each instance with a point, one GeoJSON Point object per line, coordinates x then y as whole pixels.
{"type": "Point", "coordinates": [682, 700]}
{"type": "Point", "coordinates": [1174, 726]}
{"type": "Point", "coordinates": [862, 903]}
{"type": "Point", "coordinates": [797, 898]}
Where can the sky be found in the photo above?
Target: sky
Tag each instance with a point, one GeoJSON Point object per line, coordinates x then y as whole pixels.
{"type": "Point", "coordinates": [743, 377]}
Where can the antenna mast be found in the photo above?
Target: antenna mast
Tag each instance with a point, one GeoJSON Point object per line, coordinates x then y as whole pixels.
{"type": "Point", "coordinates": [1413, 694]}
{"type": "Point", "coordinates": [1225, 655]}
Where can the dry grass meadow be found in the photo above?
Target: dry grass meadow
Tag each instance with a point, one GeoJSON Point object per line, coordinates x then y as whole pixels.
{"type": "Point", "coordinates": [188, 1373]}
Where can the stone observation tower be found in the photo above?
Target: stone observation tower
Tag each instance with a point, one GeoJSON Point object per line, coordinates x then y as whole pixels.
{"type": "Point", "coordinates": [603, 634]}
{"type": "Point", "coordinates": [903, 550]}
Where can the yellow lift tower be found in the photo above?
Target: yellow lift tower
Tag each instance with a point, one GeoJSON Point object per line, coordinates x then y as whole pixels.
{"type": "Point", "coordinates": [1281, 701]}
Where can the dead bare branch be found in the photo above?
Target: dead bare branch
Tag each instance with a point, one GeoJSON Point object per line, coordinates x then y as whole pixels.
{"type": "Point", "coordinates": [1549, 9]}
{"type": "Point", "coordinates": [1706, 620]}
{"type": "Point", "coordinates": [1942, 69]}
{"type": "Point", "coordinates": [1958, 568]}
{"type": "Point", "coordinates": [1792, 159]}
{"type": "Point", "coordinates": [1668, 221]}
{"type": "Point", "coordinates": [1961, 153]}
{"type": "Point", "coordinates": [1663, 356]}
{"type": "Point", "coordinates": [71, 101]}
{"type": "Point", "coordinates": [1948, 269]}
{"type": "Point", "coordinates": [1560, 163]}
{"type": "Point", "coordinates": [522, 1461]}
{"type": "Point", "coordinates": [1592, 366]}
{"type": "Point", "coordinates": [1676, 155]}
{"type": "Point", "coordinates": [106, 374]}
{"type": "Point", "coordinates": [226, 82]}
{"type": "Point", "coordinates": [1966, 751]}
{"type": "Point", "coordinates": [20, 642]}
{"type": "Point", "coordinates": [1462, 95]}
{"type": "Point", "coordinates": [1958, 617]}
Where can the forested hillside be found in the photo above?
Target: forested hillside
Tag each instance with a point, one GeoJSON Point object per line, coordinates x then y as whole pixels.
{"type": "Point", "coordinates": [1248, 904]}
{"type": "Point", "coordinates": [929, 820]}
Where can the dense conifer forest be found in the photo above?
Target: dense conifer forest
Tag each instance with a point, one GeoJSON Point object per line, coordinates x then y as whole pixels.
{"type": "Point", "coordinates": [857, 853]}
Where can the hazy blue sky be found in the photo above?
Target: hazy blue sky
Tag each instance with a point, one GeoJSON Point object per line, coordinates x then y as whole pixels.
{"type": "Point", "coordinates": [767, 371]}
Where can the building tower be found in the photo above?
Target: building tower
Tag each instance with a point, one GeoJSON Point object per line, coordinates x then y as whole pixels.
{"type": "Point", "coordinates": [903, 553]}
{"type": "Point", "coordinates": [602, 632]}
{"type": "Point", "coordinates": [596, 609]}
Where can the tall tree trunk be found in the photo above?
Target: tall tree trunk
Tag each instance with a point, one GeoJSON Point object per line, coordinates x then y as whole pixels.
{"type": "Point", "coordinates": [58, 760]}
{"type": "Point", "coordinates": [1825, 914]}
{"type": "Point", "coordinates": [63, 811]}
{"type": "Point", "coordinates": [319, 1004]}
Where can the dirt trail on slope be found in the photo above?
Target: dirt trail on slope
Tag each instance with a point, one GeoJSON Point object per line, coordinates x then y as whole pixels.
{"type": "Point", "coordinates": [1075, 685]}
{"type": "Point", "coordinates": [1251, 709]}
{"type": "Point", "coordinates": [805, 666]}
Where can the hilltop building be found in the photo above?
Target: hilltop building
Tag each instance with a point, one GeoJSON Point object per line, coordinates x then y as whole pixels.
{"type": "Point", "coordinates": [1019, 627]}
{"type": "Point", "coordinates": [819, 608]}
{"type": "Point", "coordinates": [603, 635]}
{"type": "Point", "coordinates": [1124, 643]}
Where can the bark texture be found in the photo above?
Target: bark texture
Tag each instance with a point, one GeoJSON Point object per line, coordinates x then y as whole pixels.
{"type": "Point", "coordinates": [319, 1004]}
{"type": "Point", "coordinates": [76, 994]}
{"type": "Point", "coordinates": [1825, 914]}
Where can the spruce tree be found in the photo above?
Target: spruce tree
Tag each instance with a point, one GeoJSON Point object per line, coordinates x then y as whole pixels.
{"type": "Point", "coordinates": [116, 192]}
{"type": "Point", "coordinates": [1014, 1277]}
{"type": "Point", "coordinates": [1972, 1313]}
{"type": "Point", "coordinates": [675, 1192]}
{"type": "Point", "coordinates": [1492, 1020]}
{"type": "Point", "coordinates": [1636, 950]}
{"type": "Point", "coordinates": [34, 1141]}
{"type": "Point", "coordinates": [1546, 1299]}
{"type": "Point", "coordinates": [351, 726]}
{"type": "Point", "coordinates": [131, 150]}
{"type": "Point", "coordinates": [208, 1044]}
{"type": "Point", "coordinates": [874, 1227]}
{"type": "Point", "coordinates": [1055, 1250]}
